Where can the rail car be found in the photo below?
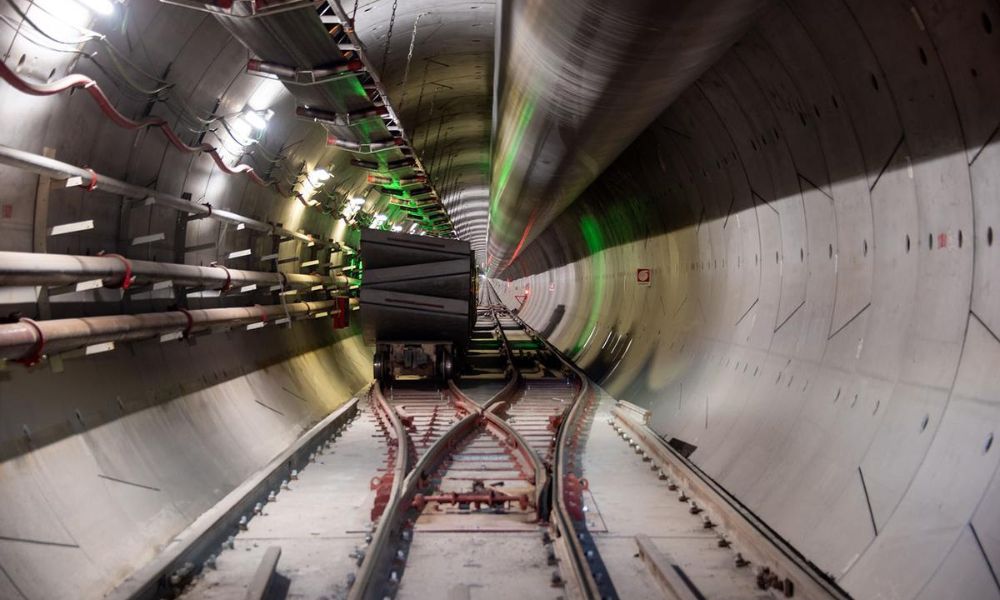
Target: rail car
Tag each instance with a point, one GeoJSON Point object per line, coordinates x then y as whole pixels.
{"type": "Point", "coordinates": [418, 298]}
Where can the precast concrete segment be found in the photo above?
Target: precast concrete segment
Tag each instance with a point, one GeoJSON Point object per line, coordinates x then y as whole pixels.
{"type": "Point", "coordinates": [576, 83]}
{"type": "Point", "coordinates": [816, 222]}
{"type": "Point", "coordinates": [104, 462]}
{"type": "Point", "coordinates": [320, 522]}
{"type": "Point", "coordinates": [628, 499]}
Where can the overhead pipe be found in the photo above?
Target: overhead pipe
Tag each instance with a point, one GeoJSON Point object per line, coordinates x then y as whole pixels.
{"type": "Point", "coordinates": [414, 205]}
{"type": "Point", "coordinates": [362, 148]}
{"type": "Point", "coordinates": [576, 82]}
{"type": "Point", "coordinates": [342, 119]}
{"type": "Point", "coordinates": [56, 169]}
{"type": "Point", "coordinates": [27, 341]}
{"type": "Point", "coordinates": [26, 268]}
{"type": "Point", "coordinates": [417, 194]}
{"type": "Point", "coordinates": [389, 166]}
{"type": "Point", "coordinates": [296, 76]}
{"type": "Point", "coordinates": [403, 181]}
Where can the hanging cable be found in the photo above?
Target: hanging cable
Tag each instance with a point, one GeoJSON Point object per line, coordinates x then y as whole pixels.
{"type": "Point", "coordinates": [388, 38]}
{"type": "Point", "coordinates": [95, 92]}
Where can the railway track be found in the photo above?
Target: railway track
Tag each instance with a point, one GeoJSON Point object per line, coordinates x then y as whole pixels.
{"type": "Point", "coordinates": [430, 489]}
{"type": "Point", "coordinates": [500, 473]}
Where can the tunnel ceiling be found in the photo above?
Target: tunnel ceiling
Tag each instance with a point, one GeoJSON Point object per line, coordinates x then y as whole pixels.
{"type": "Point", "coordinates": [812, 189]}
{"type": "Point", "coordinates": [442, 91]}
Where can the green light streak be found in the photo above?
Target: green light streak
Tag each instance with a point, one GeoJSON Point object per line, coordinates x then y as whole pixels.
{"type": "Point", "coordinates": [593, 236]}
{"type": "Point", "coordinates": [510, 154]}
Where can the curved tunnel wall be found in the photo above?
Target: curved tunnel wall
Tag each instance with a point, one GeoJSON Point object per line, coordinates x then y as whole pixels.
{"type": "Point", "coordinates": [103, 460]}
{"type": "Point", "coordinates": [820, 214]}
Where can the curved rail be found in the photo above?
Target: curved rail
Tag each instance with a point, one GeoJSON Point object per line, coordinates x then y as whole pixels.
{"type": "Point", "coordinates": [381, 539]}
{"type": "Point", "coordinates": [573, 549]}
{"type": "Point", "coordinates": [376, 573]}
{"type": "Point", "coordinates": [384, 562]}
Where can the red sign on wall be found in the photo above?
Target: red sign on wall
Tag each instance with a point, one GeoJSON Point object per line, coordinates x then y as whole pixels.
{"type": "Point", "coordinates": [644, 276]}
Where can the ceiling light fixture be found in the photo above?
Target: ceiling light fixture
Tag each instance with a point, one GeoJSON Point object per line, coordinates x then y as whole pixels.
{"type": "Point", "coordinates": [258, 118]}
{"type": "Point", "coordinates": [318, 176]}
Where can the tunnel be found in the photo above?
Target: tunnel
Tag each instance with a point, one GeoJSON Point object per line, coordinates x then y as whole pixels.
{"type": "Point", "coordinates": [758, 240]}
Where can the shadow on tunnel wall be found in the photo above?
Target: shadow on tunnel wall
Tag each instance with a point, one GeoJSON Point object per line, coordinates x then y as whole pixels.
{"type": "Point", "coordinates": [82, 399]}
{"type": "Point", "coordinates": [782, 116]}
{"type": "Point", "coordinates": [819, 212]}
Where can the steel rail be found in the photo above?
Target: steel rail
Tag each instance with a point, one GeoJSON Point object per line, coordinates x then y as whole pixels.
{"type": "Point", "coordinates": [504, 342]}
{"type": "Point", "coordinates": [563, 522]}
{"type": "Point", "coordinates": [755, 537]}
{"type": "Point", "coordinates": [26, 340]}
{"type": "Point", "coordinates": [184, 556]}
{"type": "Point", "coordinates": [749, 529]}
{"type": "Point", "coordinates": [90, 180]}
{"type": "Point", "coordinates": [376, 573]}
{"type": "Point", "coordinates": [378, 577]}
{"type": "Point", "coordinates": [492, 411]}
{"type": "Point", "coordinates": [498, 405]}
{"type": "Point", "coordinates": [27, 268]}
{"type": "Point", "coordinates": [388, 527]}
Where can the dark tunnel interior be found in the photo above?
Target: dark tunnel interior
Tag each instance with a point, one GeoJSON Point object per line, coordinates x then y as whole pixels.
{"type": "Point", "coordinates": [772, 224]}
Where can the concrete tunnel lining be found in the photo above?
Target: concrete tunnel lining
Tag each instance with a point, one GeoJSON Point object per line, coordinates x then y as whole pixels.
{"type": "Point", "coordinates": [818, 210]}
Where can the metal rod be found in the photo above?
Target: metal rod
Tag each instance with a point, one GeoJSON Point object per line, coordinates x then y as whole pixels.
{"type": "Point", "coordinates": [26, 268]}
{"type": "Point", "coordinates": [27, 340]}
{"type": "Point", "coordinates": [56, 169]}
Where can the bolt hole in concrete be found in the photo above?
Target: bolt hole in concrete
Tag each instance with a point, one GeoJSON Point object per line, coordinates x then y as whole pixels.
{"type": "Point", "coordinates": [923, 55]}
{"type": "Point", "coordinates": [924, 422]}
{"type": "Point", "coordinates": [989, 443]}
{"type": "Point", "coordinates": [907, 243]}
{"type": "Point", "coordinates": [989, 236]}
{"type": "Point", "coordinates": [20, 61]}
{"type": "Point", "coordinates": [865, 245]}
{"type": "Point", "coordinates": [987, 24]}
{"type": "Point", "coordinates": [960, 238]}
{"type": "Point", "coordinates": [930, 241]}
{"type": "Point", "coordinates": [831, 250]}
{"type": "Point", "coordinates": [874, 82]}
